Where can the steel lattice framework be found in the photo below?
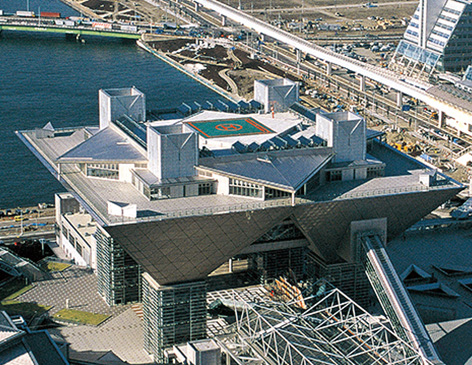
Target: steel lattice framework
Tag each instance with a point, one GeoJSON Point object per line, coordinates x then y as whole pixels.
{"type": "Point", "coordinates": [335, 330]}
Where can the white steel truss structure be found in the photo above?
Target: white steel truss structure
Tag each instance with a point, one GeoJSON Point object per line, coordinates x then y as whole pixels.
{"type": "Point", "coordinates": [335, 330]}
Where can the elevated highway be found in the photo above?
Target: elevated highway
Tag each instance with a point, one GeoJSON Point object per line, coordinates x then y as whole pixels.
{"type": "Point", "coordinates": [400, 83]}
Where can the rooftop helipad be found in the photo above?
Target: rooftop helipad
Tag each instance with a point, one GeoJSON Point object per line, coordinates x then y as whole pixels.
{"type": "Point", "coordinates": [229, 127]}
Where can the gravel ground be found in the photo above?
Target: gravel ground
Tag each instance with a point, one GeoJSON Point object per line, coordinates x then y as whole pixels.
{"type": "Point", "coordinates": [243, 75]}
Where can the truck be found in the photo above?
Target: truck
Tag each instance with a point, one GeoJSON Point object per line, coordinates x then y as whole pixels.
{"type": "Point", "coordinates": [410, 148]}
{"type": "Point", "coordinates": [23, 13]}
{"type": "Point", "coordinates": [129, 28]}
{"type": "Point", "coordinates": [101, 25]}
{"type": "Point", "coordinates": [49, 14]}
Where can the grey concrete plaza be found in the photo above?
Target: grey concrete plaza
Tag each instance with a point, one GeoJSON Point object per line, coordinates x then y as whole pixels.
{"type": "Point", "coordinates": [75, 284]}
{"type": "Point", "coordinates": [119, 337]}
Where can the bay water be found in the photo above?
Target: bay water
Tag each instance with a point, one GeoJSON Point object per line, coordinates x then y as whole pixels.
{"type": "Point", "coordinates": [45, 78]}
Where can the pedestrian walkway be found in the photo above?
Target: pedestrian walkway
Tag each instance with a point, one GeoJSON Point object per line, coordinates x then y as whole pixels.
{"type": "Point", "coordinates": [120, 337]}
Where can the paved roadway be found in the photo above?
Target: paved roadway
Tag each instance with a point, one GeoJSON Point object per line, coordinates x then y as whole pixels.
{"type": "Point", "coordinates": [10, 230]}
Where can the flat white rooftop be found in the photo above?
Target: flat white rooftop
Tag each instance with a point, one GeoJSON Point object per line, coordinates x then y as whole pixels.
{"type": "Point", "coordinates": [84, 224]}
{"type": "Point", "coordinates": [402, 176]}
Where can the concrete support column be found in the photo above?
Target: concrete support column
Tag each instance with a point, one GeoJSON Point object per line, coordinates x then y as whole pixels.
{"type": "Point", "coordinates": [299, 55]}
{"type": "Point", "coordinates": [399, 99]}
{"type": "Point", "coordinates": [441, 118]}
{"type": "Point", "coordinates": [329, 68]}
{"type": "Point", "coordinates": [223, 20]}
{"type": "Point", "coordinates": [230, 265]}
{"type": "Point", "coordinates": [197, 7]}
{"type": "Point", "coordinates": [362, 83]}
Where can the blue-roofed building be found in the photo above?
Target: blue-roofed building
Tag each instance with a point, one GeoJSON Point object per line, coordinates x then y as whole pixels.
{"type": "Point", "coordinates": [243, 106]}
{"type": "Point", "coordinates": [304, 141]}
{"type": "Point", "coordinates": [222, 106]}
{"type": "Point", "coordinates": [305, 112]}
{"type": "Point", "coordinates": [278, 142]}
{"type": "Point", "coordinates": [239, 147]}
{"type": "Point", "coordinates": [254, 146]}
{"type": "Point", "coordinates": [255, 105]}
{"type": "Point", "coordinates": [290, 141]}
{"type": "Point", "coordinates": [195, 106]}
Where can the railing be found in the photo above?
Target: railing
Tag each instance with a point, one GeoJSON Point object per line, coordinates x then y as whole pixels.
{"type": "Point", "coordinates": [208, 211]}
{"type": "Point", "coordinates": [275, 203]}
{"type": "Point", "coordinates": [66, 177]}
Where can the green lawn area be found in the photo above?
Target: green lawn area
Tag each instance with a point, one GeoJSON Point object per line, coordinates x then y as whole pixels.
{"type": "Point", "coordinates": [14, 289]}
{"type": "Point", "coordinates": [53, 266]}
{"type": "Point", "coordinates": [75, 316]}
{"type": "Point", "coordinates": [24, 309]}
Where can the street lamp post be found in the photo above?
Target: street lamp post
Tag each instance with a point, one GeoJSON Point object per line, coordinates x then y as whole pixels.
{"type": "Point", "coordinates": [373, 101]}
{"type": "Point", "coordinates": [416, 117]}
{"type": "Point", "coordinates": [21, 223]}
